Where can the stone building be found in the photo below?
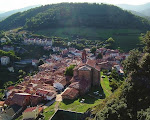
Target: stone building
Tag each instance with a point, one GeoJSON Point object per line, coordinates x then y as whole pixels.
{"type": "Point", "coordinates": [85, 76]}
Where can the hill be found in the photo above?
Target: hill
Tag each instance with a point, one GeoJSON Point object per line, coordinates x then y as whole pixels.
{"type": "Point", "coordinates": [83, 20]}
{"type": "Point", "coordinates": [73, 15]}
{"type": "Point", "coordinates": [146, 12]}
{"type": "Point", "coordinates": [137, 8]}
{"type": "Point", "coordinates": [140, 10]}
{"type": "Point", "coordinates": [4, 15]}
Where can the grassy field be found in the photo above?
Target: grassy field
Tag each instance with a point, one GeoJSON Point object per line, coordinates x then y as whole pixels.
{"type": "Point", "coordinates": [49, 111]}
{"type": "Point", "coordinates": [125, 38]}
{"type": "Point", "coordinates": [90, 99]}
{"type": "Point", "coordinates": [105, 85]}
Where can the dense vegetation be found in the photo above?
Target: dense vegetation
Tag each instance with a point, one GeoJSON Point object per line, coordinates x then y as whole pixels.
{"type": "Point", "coordinates": [83, 21]}
{"type": "Point", "coordinates": [132, 100]}
{"type": "Point", "coordinates": [69, 70]}
{"type": "Point", "coordinates": [74, 14]}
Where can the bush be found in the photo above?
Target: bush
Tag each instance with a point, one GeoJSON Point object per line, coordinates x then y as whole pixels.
{"type": "Point", "coordinates": [69, 70]}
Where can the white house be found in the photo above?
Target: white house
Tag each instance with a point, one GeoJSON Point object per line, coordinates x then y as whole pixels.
{"type": "Point", "coordinates": [50, 95]}
{"type": "Point", "coordinates": [32, 113]}
{"type": "Point", "coordinates": [3, 40]}
{"type": "Point", "coordinates": [38, 41]}
{"type": "Point", "coordinates": [56, 49]}
{"type": "Point", "coordinates": [5, 60]}
{"type": "Point", "coordinates": [58, 86]}
{"type": "Point", "coordinates": [8, 48]}
{"type": "Point", "coordinates": [114, 53]}
{"type": "Point", "coordinates": [49, 43]}
{"type": "Point", "coordinates": [47, 94]}
{"type": "Point", "coordinates": [119, 69]}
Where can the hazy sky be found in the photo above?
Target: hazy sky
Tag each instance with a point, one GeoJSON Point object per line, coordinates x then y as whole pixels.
{"type": "Point", "coordinates": [6, 5]}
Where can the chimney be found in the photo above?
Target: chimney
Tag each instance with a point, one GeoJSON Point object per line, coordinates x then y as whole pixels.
{"type": "Point", "coordinates": [84, 56]}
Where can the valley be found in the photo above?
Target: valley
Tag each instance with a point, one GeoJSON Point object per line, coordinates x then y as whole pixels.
{"type": "Point", "coordinates": [75, 61]}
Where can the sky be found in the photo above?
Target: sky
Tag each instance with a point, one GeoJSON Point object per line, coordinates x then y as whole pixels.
{"type": "Point", "coordinates": [7, 5]}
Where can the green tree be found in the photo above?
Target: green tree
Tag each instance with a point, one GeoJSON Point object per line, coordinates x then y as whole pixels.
{"type": "Point", "coordinates": [146, 41]}
{"type": "Point", "coordinates": [99, 56]}
{"type": "Point", "coordinates": [7, 84]}
{"type": "Point", "coordinates": [40, 62]}
{"type": "Point", "coordinates": [93, 50]}
{"type": "Point", "coordinates": [131, 63]}
{"type": "Point", "coordinates": [114, 74]}
{"type": "Point", "coordinates": [110, 42]}
{"type": "Point", "coordinates": [69, 70]}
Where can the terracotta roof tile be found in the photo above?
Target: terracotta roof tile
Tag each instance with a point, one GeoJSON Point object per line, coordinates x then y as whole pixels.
{"type": "Point", "coordinates": [71, 93]}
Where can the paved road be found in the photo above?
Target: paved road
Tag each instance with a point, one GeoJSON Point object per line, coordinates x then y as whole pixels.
{"type": "Point", "coordinates": [49, 103]}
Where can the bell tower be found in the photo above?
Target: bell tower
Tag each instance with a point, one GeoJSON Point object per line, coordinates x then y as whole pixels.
{"type": "Point", "coordinates": [84, 56]}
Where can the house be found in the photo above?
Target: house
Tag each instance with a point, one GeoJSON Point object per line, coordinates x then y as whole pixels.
{"type": "Point", "coordinates": [46, 94]}
{"type": "Point", "coordinates": [105, 65]}
{"type": "Point", "coordinates": [49, 42]}
{"type": "Point", "coordinates": [8, 48]}
{"type": "Point", "coordinates": [31, 113]}
{"type": "Point", "coordinates": [21, 99]}
{"type": "Point", "coordinates": [76, 53]}
{"type": "Point", "coordinates": [38, 41]}
{"type": "Point", "coordinates": [114, 53]}
{"type": "Point", "coordinates": [56, 49]}
{"type": "Point", "coordinates": [3, 40]}
{"type": "Point", "coordinates": [35, 99]}
{"type": "Point", "coordinates": [1, 106]}
{"type": "Point", "coordinates": [71, 49]}
{"type": "Point", "coordinates": [64, 52]}
{"type": "Point", "coordinates": [51, 95]}
{"type": "Point", "coordinates": [58, 86]}
{"type": "Point", "coordinates": [5, 60]}
{"type": "Point", "coordinates": [119, 69]}
{"type": "Point", "coordinates": [70, 93]}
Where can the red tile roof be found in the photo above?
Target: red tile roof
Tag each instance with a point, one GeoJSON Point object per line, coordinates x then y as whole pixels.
{"type": "Point", "coordinates": [75, 85]}
{"type": "Point", "coordinates": [2, 103]}
{"type": "Point", "coordinates": [30, 109]}
{"type": "Point", "coordinates": [93, 64]}
{"type": "Point", "coordinates": [71, 93]}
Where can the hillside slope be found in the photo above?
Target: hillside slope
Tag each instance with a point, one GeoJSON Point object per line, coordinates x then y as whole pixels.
{"type": "Point", "coordinates": [81, 20]}
{"type": "Point", "coordinates": [9, 13]}
{"type": "Point", "coordinates": [74, 14]}
{"type": "Point", "coordinates": [132, 100]}
{"type": "Point", "coordinates": [146, 12]}
{"type": "Point", "coordinates": [137, 8]}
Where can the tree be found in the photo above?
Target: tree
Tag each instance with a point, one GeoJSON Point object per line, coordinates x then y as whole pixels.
{"type": "Point", "coordinates": [146, 41]}
{"type": "Point", "coordinates": [110, 42]}
{"type": "Point", "coordinates": [114, 74]}
{"type": "Point", "coordinates": [69, 70]}
{"type": "Point", "coordinates": [99, 56]}
{"type": "Point", "coordinates": [7, 84]}
{"type": "Point", "coordinates": [40, 62]}
{"type": "Point", "coordinates": [93, 50]}
{"type": "Point", "coordinates": [131, 63]}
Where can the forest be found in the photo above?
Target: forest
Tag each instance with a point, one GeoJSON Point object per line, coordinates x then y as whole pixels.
{"type": "Point", "coordinates": [74, 14]}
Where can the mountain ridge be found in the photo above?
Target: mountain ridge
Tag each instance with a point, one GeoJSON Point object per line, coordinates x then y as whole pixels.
{"type": "Point", "coordinates": [74, 14]}
{"type": "Point", "coordinates": [4, 15]}
{"type": "Point", "coordinates": [137, 8]}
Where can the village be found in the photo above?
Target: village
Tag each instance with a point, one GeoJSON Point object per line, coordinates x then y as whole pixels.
{"type": "Point", "coordinates": [50, 84]}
